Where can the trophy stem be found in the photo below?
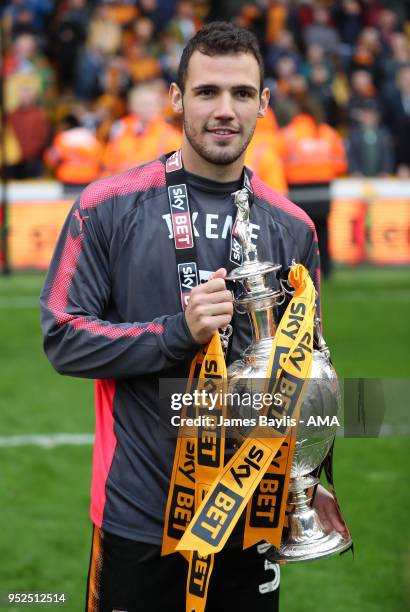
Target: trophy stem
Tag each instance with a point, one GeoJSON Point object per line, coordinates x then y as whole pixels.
{"type": "Point", "coordinates": [304, 521]}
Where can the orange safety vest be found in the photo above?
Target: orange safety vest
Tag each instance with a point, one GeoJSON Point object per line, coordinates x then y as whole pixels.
{"type": "Point", "coordinates": [75, 156]}
{"type": "Point", "coordinates": [128, 148]}
{"type": "Point", "coordinates": [263, 154]}
{"type": "Point", "coordinates": [264, 160]}
{"type": "Point", "coordinates": [312, 153]}
{"type": "Point", "coordinates": [267, 125]}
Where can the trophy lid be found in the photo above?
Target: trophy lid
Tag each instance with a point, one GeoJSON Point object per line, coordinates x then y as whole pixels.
{"type": "Point", "coordinates": [252, 268]}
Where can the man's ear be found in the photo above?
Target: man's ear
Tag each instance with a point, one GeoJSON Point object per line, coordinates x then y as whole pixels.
{"type": "Point", "coordinates": [264, 102]}
{"type": "Point", "coordinates": [175, 96]}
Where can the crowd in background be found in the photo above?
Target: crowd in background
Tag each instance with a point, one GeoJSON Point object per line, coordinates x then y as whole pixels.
{"type": "Point", "coordinates": [85, 83]}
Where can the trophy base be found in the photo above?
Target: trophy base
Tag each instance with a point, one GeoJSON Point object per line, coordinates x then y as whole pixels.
{"type": "Point", "coordinates": [309, 550]}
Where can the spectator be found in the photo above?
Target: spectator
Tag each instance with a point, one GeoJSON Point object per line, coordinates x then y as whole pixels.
{"type": "Point", "coordinates": [263, 154]}
{"type": "Point", "coordinates": [159, 15]}
{"type": "Point", "coordinates": [23, 58]}
{"type": "Point", "coordinates": [284, 47]}
{"type": "Point", "coordinates": [276, 17]}
{"type": "Point", "coordinates": [314, 155]}
{"type": "Point", "coordinates": [104, 33]}
{"type": "Point", "coordinates": [70, 32]}
{"type": "Point", "coordinates": [367, 54]}
{"type": "Point", "coordinates": [397, 101]}
{"type": "Point", "coordinates": [319, 73]}
{"type": "Point", "coordinates": [143, 134]}
{"type": "Point", "coordinates": [388, 25]}
{"type": "Point", "coordinates": [322, 32]}
{"type": "Point", "coordinates": [362, 89]}
{"type": "Point", "coordinates": [300, 16]}
{"type": "Point", "coordinates": [103, 40]}
{"type": "Point", "coordinates": [285, 69]}
{"type": "Point", "coordinates": [88, 67]}
{"type": "Point", "coordinates": [144, 30]}
{"type": "Point", "coordinates": [170, 56]}
{"type": "Point", "coordinates": [74, 156]}
{"type": "Point", "coordinates": [27, 17]}
{"type": "Point", "coordinates": [397, 57]}
{"type": "Point", "coordinates": [369, 144]}
{"type": "Point", "coordinates": [320, 88]}
{"type": "Point", "coordinates": [371, 12]}
{"type": "Point", "coordinates": [316, 56]}
{"type": "Point", "coordinates": [285, 95]}
{"type": "Point", "coordinates": [183, 26]}
{"type": "Point", "coordinates": [142, 66]}
{"type": "Point", "coordinates": [397, 116]}
{"type": "Point", "coordinates": [400, 50]}
{"type": "Point", "coordinates": [348, 16]}
{"type": "Point", "coordinates": [114, 78]}
{"type": "Point", "coordinates": [32, 129]}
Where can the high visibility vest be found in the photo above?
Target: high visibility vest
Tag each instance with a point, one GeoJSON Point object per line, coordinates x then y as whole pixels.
{"type": "Point", "coordinates": [262, 157]}
{"type": "Point", "coordinates": [75, 155]}
{"type": "Point", "coordinates": [312, 153]}
{"type": "Point", "coordinates": [131, 145]}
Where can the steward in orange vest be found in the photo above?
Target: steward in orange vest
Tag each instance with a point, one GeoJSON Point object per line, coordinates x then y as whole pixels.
{"type": "Point", "coordinates": [74, 156]}
{"type": "Point", "coordinates": [314, 155]}
{"type": "Point", "coordinates": [263, 154]}
{"type": "Point", "coordinates": [141, 136]}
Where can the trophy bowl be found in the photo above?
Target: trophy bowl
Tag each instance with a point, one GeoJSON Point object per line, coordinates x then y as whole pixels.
{"type": "Point", "coordinates": [306, 539]}
{"type": "Point", "coordinates": [320, 409]}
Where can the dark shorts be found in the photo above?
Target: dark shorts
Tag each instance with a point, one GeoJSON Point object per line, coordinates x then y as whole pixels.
{"type": "Point", "coordinates": [131, 576]}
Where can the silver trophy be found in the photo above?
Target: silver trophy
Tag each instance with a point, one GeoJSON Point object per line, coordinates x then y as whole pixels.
{"type": "Point", "coordinates": [306, 538]}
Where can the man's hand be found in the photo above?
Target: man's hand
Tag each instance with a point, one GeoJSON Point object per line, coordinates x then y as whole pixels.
{"type": "Point", "coordinates": [326, 508]}
{"type": "Point", "coordinates": [210, 306]}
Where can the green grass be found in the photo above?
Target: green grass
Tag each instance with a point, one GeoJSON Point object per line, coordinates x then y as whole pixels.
{"type": "Point", "coordinates": [44, 493]}
{"type": "Point", "coordinates": [371, 478]}
{"type": "Point", "coordinates": [366, 321]}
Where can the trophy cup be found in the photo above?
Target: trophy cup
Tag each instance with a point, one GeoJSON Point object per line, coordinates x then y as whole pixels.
{"type": "Point", "coordinates": [306, 539]}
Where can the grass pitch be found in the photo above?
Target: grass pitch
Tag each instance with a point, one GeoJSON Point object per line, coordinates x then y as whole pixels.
{"type": "Point", "coordinates": [44, 492]}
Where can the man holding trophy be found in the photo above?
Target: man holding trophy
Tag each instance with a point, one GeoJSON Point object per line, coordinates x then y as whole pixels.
{"type": "Point", "coordinates": [137, 291]}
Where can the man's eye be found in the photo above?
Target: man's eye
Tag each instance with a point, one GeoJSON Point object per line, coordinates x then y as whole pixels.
{"type": "Point", "coordinates": [206, 92]}
{"type": "Point", "coordinates": [243, 93]}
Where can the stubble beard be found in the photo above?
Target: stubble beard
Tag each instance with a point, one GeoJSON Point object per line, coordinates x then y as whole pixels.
{"type": "Point", "coordinates": [220, 154]}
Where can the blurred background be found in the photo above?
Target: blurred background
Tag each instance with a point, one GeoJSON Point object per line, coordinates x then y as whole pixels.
{"type": "Point", "coordinates": [84, 95]}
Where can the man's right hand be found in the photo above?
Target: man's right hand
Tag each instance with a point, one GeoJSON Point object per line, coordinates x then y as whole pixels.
{"type": "Point", "coordinates": [210, 307]}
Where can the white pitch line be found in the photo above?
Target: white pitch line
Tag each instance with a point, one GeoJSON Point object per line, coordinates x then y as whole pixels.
{"type": "Point", "coordinates": [86, 439]}
{"type": "Point", "coordinates": [48, 440]}
{"type": "Point", "coordinates": [18, 302]}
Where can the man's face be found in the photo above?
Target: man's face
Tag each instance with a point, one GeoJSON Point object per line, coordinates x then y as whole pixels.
{"type": "Point", "coordinates": [220, 105]}
{"type": "Point", "coordinates": [146, 103]}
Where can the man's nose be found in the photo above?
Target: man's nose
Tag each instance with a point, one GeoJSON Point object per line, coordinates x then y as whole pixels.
{"type": "Point", "coordinates": [224, 108]}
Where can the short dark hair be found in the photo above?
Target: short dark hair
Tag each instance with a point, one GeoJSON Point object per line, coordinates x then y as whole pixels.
{"type": "Point", "coordinates": [220, 38]}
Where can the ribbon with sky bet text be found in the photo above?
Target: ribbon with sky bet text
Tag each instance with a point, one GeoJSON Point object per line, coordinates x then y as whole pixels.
{"type": "Point", "coordinates": [198, 460]}
{"type": "Point", "coordinates": [289, 367]}
{"type": "Point", "coordinates": [200, 517]}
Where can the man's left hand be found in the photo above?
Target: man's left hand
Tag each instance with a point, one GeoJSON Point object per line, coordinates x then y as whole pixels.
{"type": "Point", "coordinates": [328, 512]}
